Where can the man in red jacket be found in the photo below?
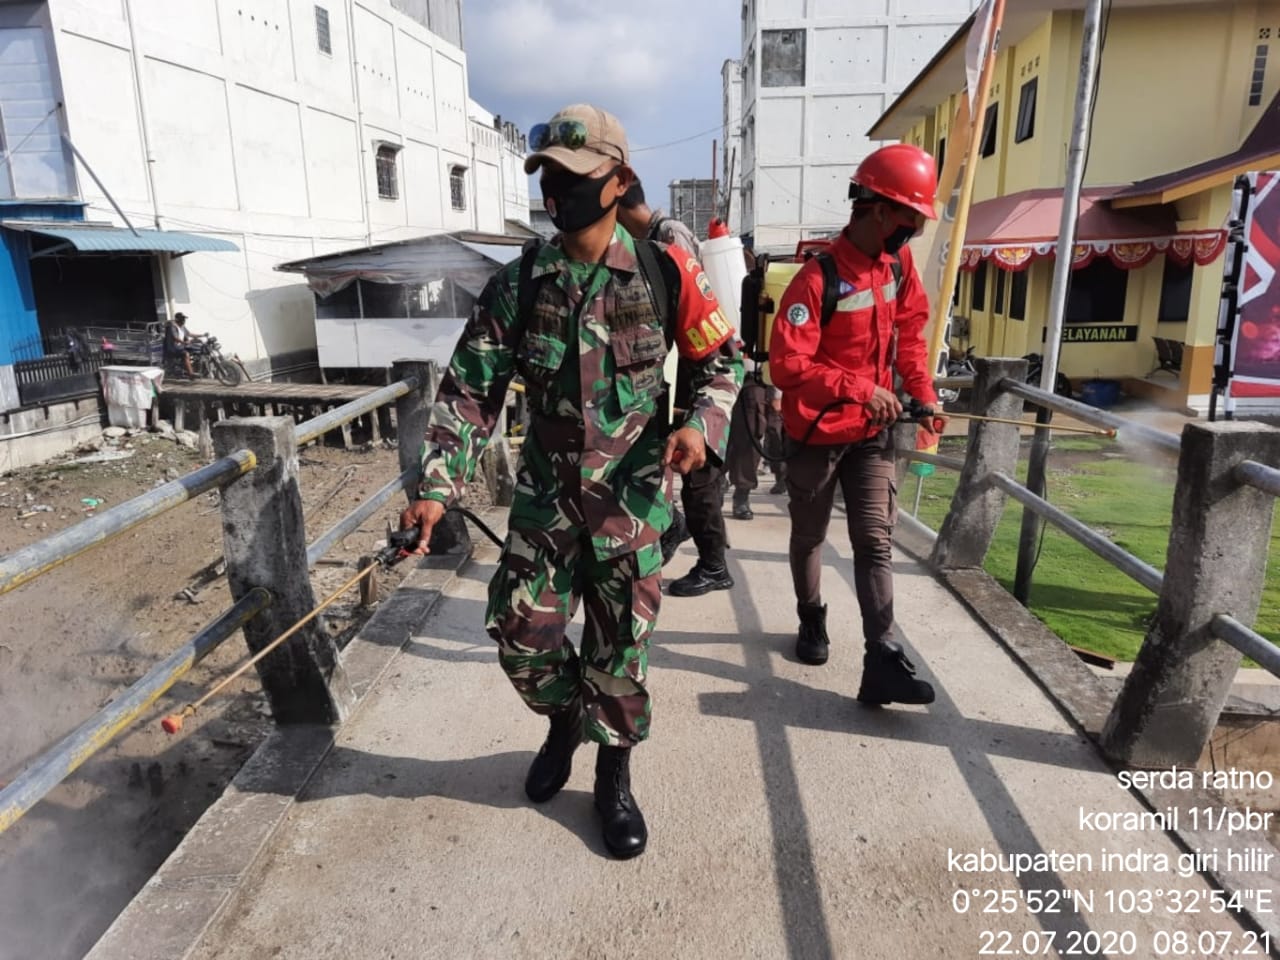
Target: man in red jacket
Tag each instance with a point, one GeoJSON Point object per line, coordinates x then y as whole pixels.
{"type": "Point", "coordinates": [838, 404]}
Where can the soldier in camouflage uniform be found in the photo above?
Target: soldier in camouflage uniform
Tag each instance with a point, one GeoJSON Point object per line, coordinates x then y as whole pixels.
{"type": "Point", "coordinates": [593, 487]}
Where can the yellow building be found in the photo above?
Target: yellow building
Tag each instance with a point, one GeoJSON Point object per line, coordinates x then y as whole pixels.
{"type": "Point", "coordinates": [1187, 100]}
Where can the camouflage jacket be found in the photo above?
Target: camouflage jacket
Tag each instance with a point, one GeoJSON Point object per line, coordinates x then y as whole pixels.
{"type": "Point", "coordinates": [591, 355]}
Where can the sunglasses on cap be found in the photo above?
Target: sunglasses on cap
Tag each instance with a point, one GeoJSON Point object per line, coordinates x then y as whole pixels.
{"type": "Point", "coordinates": [571, 134]}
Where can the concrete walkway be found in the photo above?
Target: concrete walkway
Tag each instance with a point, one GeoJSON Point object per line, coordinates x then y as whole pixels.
{"type": "Point", "coordinates": [786, 820]}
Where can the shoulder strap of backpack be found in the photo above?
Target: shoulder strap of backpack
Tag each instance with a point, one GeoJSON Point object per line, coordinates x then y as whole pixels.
{"type": "Point", "coordinates": [662, 276]}
{"type": "Point", "coordinates": [831, 283]}
{"type": "Point", "coordinates": [526, 286]}
{"type": "Point", "coordinates": [830, 286]}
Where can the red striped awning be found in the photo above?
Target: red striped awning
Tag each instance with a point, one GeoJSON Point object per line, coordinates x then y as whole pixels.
{"type": "Point", "coordinates": [1017, 230]}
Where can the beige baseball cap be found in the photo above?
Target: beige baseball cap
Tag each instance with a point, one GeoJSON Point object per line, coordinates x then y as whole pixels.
{"type": "Point", "coordinates": [579, 138]}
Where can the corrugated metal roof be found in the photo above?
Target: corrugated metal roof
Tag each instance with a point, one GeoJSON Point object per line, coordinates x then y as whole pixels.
{"type": "Point", "coordinates": [497, 252]}
{"type": "Point", "coordinates": [122, 240]}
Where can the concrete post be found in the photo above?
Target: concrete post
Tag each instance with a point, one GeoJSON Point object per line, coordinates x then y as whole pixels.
{"type": "Point", "coordinates": [412, 412]}
{"type": "Point", "coordinates": [265, 545]}
{"type": "Point", "coordinates": [1216, 563]}
{"type": "Point", "coordinates": [970, 525]}
{"type": "Point", "coordinates": [904, 442]}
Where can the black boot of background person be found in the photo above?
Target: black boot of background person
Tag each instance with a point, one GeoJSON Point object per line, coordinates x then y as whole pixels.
{"type": "Point", "coordinates": [625, 833]}
{"type": "Point", "coordinates": [812, 645]}
{"type": "Point", "coordinates": [742, 505]}
{"type": "Point", "coordinates": [889, 677]}
{"type": "Point", "coordinates": [779, 486]}
{"type": "Point", "coordinates": [551, 767]}
{"type": "Point", "coordinates": [703, 578]}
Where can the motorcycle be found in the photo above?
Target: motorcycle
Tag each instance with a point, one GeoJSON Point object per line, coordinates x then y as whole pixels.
{"type": "Point", "coordinates": [1035, 365]}
{"type": "Point", "coordinates": [958, 366]}
{"type": "Point", "coordinates": [208, 362]}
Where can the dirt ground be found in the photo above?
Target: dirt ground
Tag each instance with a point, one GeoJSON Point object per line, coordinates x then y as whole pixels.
{"type": "Point", "coordinates": [76, 637]}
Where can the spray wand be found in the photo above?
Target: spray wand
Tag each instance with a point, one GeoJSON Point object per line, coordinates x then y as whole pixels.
{"type": "Point", "coordinates": [915, 413]}
{"type": "Point", "coordinates": [399, 545]}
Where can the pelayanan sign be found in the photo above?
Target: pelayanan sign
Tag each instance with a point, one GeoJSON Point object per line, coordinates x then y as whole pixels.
{"type": "Point", "coordinates": [1099, 333]}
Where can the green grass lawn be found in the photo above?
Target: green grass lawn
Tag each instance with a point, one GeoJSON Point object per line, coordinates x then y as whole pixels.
{"type": "Point", "coordinates": [1079, 596]}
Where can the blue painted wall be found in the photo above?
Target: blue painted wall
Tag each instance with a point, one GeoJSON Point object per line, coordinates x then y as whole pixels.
{"type": "Point", "coordinates": [18, 323]}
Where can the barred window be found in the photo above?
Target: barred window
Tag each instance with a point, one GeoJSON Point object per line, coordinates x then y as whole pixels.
{"type": "Point", "coordinates": [458, 187]}
{"type": "Point", "coordinates": [323, 40]}
{"type": "Point", "coordinates": [388, 171]}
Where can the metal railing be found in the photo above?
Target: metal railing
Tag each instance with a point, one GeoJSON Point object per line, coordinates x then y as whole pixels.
{"type": "Point", "coordinates": [1192, 605]}
{"type": "Point", "coordinates": [352, 521]}
{"type": "Point", "coordinates": [1266, 479]}
{"type": "Point", "coordinates": [317, 427]}
{"type": "Point", "coordinates": [1129, 430]}
{"type": "Point", "coordinates": [1086, 536]}
{"type": "Point", "coordinates": [63, 758]}
{"type": "Point", "coordinates": [22, 566]}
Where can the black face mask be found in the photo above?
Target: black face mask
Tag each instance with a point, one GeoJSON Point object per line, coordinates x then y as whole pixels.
{"type": "Point", "coordinates": [898, 239]}
{"type": "Point", "coordinates": [573, 202]}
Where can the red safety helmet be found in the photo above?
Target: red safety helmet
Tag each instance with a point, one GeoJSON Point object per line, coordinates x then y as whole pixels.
{"type": "Point", "coordinates": [902, 173]}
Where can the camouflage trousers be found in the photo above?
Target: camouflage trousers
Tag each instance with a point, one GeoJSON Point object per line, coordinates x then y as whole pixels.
{"type": "Point", "coordinates": [532, 598]}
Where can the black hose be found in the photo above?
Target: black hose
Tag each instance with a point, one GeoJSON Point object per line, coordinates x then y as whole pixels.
{"type": "Point", "coordinates": [912, 414]}
{"type": "Point", "coordinates": [479, 523]}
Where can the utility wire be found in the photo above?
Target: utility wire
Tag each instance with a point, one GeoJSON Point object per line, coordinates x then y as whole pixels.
{"type": "Point", "coordinates": [672, 143]}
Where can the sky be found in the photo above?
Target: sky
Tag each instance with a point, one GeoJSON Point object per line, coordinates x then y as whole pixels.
{"type": "Point", "coordinates": [654, 64]}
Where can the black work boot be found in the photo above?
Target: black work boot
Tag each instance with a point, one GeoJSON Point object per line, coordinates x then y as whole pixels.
{"type": "Point", "coordinates": [703, 578]}
{"type": "Point", "coordinates": [779, 487]}
{"type": "Point", "coordinates": [742, 505]}
{"type": "Point", "coordinates": [625, 834]}
{"type": "Point", "coordinates": [889, 677]}
{"type": "Point", "coordinates": [812, 645]}
{"type": "Point", "coordinates": [551, 767]}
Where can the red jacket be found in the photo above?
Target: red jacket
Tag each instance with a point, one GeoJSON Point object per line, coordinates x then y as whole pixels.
{"type": "Point", "coordinates": [852, 355]}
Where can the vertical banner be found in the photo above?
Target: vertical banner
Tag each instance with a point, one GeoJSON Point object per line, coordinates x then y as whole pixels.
{"type": "Point", "coordinates": [934, 242]}
{"type": "Point", "coordinates": [983, 42]}
{"type": "Point", "coordinates": [976, 49]}
{"type": "Point", "coordinates": [1255, 348]}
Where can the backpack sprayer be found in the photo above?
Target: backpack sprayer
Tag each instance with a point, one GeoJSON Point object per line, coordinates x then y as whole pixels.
{"type": "Point", "coordinates": [762, 291]}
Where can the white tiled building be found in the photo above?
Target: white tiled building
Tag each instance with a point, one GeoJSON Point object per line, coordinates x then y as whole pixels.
{"type": "Point", "coordinates": [731, 137]}
{"type": "Point", "coordinates": [245, 133]}
{"type": "Point", "coordinates": [816, 74]}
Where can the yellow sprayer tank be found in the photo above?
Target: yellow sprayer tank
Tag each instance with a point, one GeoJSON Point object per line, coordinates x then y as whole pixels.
{"type": "Point", "coordinates": [776, 279]}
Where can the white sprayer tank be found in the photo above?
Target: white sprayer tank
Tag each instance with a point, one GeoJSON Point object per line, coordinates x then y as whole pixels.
{"type": "Point", "coordinates": [726, 268]}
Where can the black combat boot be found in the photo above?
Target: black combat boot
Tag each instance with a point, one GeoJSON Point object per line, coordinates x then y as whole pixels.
{"type": "Point", "coordinates": [779, 487]}
{"type": "Point", "coordinates": [625, 834]}
{"type": "Point", "coordinates": [551, 767]}
{"type": "Point", "coordinates": [742, 505]}
{"type": "Point", "coordinates": [812, 645]}
{"type": "Point", "coordinates": [889, 677]}
{"type": "Point", "coordinates": [703, 578]}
